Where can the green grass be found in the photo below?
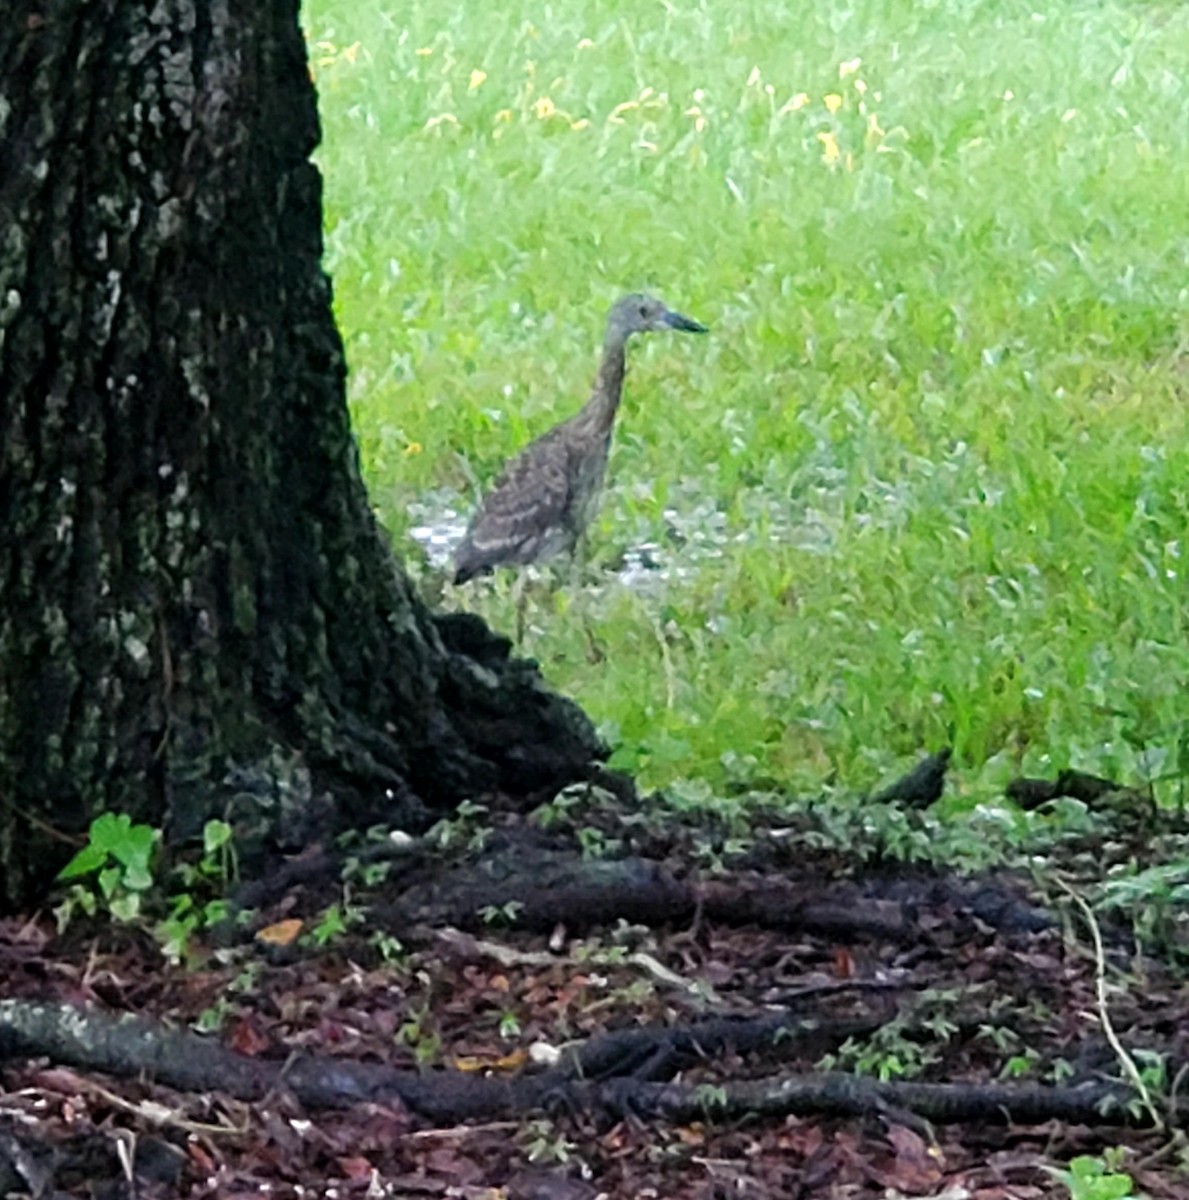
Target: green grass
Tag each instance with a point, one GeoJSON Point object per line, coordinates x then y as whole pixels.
{"type": "Point", "coordinates": [938, 431]}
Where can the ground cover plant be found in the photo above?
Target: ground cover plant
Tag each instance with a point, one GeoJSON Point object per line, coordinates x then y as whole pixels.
{"type": "Point", "coordinates": [781, 1021]}
{"type": "Point", "coordinates": [924, 483]}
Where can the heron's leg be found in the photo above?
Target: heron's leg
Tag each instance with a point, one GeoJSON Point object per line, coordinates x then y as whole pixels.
{"type": "Point", "coordinates": [580, 560]}
{"type": "Point", "coordinates": [583, 592]}
{"type": "Point", "coordinates": [520, 600]}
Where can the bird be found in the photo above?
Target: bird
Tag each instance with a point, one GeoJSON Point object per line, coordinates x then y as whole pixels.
{"type": "Point", "coordinates": [545, 497]}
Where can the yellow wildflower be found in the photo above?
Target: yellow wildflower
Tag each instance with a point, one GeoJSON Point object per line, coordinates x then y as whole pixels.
{"type": "Point", "coordinates": [412, 449]}
{"type": "Point", "coordinates": [544, 108]}
{"type": "Point", "coordinates": [500, 119]}
{"type": "Point", "coordinates": [477, 78]}
{"type": "Point", "coordinates": [424, 51]}
{"type": "Point", "coordinates": [800, 100]}
{"type": "Point", "coordinates": [850, 67]}
{"type": "Point", "coordinates": [830, 151]}
{"type": "Point", "coordinates": [833, 102]}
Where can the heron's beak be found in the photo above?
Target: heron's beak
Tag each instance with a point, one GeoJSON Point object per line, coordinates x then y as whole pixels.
{"type": "Point", "coordinates": [675, 320]}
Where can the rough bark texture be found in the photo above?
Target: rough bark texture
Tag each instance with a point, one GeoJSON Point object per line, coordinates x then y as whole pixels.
{"type": "Point", "coordinates": [198, 614]}
{"type": "Point", "coordinates": [626, 1072]}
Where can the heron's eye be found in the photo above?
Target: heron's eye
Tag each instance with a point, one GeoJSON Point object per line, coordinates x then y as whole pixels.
{"type": "Point", "coordinates": [643, 310]}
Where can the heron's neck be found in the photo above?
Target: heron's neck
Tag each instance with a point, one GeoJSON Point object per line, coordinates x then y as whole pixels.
{"type": "Point", "coordinates": [604, 399]}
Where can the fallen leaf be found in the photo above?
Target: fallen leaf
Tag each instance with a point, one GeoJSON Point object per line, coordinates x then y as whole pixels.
{"type": "Point", "coordinates": [283, 933]}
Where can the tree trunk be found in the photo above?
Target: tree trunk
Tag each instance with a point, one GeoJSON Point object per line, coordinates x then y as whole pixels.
{"type": "Point", "coordinates": [198, 613]}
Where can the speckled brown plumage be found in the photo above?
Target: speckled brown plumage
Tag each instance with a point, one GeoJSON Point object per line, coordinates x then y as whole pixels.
{"type": "Point", "coordinates": [548, 494]}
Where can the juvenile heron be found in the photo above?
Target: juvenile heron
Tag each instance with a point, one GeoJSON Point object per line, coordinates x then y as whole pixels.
{"type": "Point", "coordinates": [548, 494]}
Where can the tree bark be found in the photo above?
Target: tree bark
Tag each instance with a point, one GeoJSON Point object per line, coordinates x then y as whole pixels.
{"type": "Point", "coordinates": [619, 1072]}
{"type": "Point", "coordinates": [198, 613]}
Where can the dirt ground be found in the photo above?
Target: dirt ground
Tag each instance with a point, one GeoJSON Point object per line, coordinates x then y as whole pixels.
{"type": "Point", "coordinates": [979, 983]}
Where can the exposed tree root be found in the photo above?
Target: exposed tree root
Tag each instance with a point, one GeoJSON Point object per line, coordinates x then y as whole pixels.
{"type": "Point", "coordinates": [839, 1094]}
{"type": "Point", "coordinates": [614, 1072]}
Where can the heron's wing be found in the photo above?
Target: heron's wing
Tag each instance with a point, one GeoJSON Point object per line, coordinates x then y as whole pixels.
{"type": "Point", "coordinates": [524, 512]}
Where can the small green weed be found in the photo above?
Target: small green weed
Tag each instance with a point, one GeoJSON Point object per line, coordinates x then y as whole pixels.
{"type": "Point", "coordinates": [333, 923]}
{"type": "Point", "coordinates": [1089, 1178]}
{"type": "Point", "coordinates": [390, 949]}
{"type": "Point", "coordinates": [466, 827]}
{"type": "Point", "coordinates": [886, 1055]}
{"type": "Point", "coordinates": [898, 1049]}
{"type": "Point", "coordinates": [502, 915]}
{"type": "Point", "coordinates": [419, 1034]}
{"type": "Point", "coordinates": [545, 1143]}
{"type": "Point", "coordinates": [120, 856]}
{"type": "Point", "coordinates": [201, 903]}
{"type": "Point", "coordinates": [1155, 900]}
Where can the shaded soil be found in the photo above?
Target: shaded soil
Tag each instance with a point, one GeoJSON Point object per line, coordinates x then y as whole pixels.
{"type": "Point", "coordinates": [971, 982]}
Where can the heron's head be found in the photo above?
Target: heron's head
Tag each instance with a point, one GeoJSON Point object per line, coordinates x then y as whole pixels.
{"type": "Point", "coordinates": [639, 313]}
